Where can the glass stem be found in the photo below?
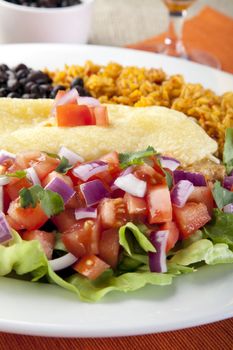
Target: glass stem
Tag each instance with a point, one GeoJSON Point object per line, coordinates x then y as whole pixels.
{"type": "Point", "coordinates": [174, 40]}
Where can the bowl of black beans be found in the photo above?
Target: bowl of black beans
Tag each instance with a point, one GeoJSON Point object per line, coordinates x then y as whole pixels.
{"type": "Point", "coordinates": [51, 21]}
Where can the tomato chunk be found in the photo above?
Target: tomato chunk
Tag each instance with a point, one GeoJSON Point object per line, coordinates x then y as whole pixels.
{"type": "Point", "coordinates": [46, 239]}
{"type": "Point", "coordinates": [112, 213]}
{"type": "Point", "coordinates": [15, 185]}
{"type": "Point", "coordinates": [146, 173]}
{"type": "Point", "coordinates": [90, 266]}
{"type": "Point", "coordinates": [191, 217]}
{"type": "Point", "coordinates": [74, 115]}
{"type": "Point", "coordinates": [202, 194]}
{"type": "Point", "coordinates": [65, 220]}
{"type": "Point", "coordinates": [82, 238]}
{"type": "Point", "coordinates": [159, 204]}
{"type": "Point", "coordinates": [173, 234]}
{"type": "Point", "coordinates": [135, 206]}
{"type": "Point", "coordinates": [112, 159]}
{"type": "Point", "coordinates": [28, 218]}
{"type": "Point", "coordinates": [109, 247]}
{"type": "Point", "coordinates": [101, 115]}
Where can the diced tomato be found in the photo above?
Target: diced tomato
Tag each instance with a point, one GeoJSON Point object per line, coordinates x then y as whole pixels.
{"type": "Point", "coordinates": [112, 213]}
{"type": "Point", "coordinates": [146, 173]}
{"type": "Point", "coordinates": [90, 266]}
{"type": "Point", "coordinates": [13, 224]}
{"type": "Point", "coordinates": [82, 238]}
{"type": "Point", "coordinates": [159, 204]}
{"type": "Point", "coordinates": [74, 115]}
{"type": "Point", "coordinates": [101, 115]}
{"type": "Point", "coordinates": [29, 218]}
{"type": "Point", "coordinates": [112, 159]}
{"type": "Point", "coordinates": [135, 206]}
{"type": "Point", "coordinates": [75, 202]}
{"type": "Point", "coordinates": [42, 163]}
{"type": "Point", "coordinates": [55, 174]}
{"type": "Point", "coordinates": [202, 194]}
{"type": "Point", "coordinates": [15, 185]}
{"type": "Point", "coordinates": [46, 239]}
{"type": "Point", "coordinates": [173, 234]}
{"type": "Point", "coordinates": [65, 220]}
{"type": "Point", "coordinates": [191, 217]}
{"type": "Point", "coordinates": [109, 247]}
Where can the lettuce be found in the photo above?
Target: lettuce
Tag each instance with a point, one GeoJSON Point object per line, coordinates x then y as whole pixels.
{"type": "Point", "coordinates": [203, 251]}
{"type": "Point", "coordinates": [129, 231]}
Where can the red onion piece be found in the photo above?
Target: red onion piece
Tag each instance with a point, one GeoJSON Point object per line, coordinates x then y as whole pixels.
{"type": "Point", "coordinates": [93, 192]}
{"type": "Point", "coordinates": [5, 230]}
{"type": "Point", "coordinates": [6, 155]}
{"type": "Point", "coordinates": [32, 175]}
{"type": "Point", "coordinates": [71, 156]}
{"type": "Point", "coordinates": [228, 208]}
{"type": "Point", "coordinates": [1, 199]}
{"type": "Point", "coordinates": [84, 213]}
{"type": "Point", "coordinates": [169, 163]}
{"type": "Point", "coordinates": [88, 101]}
{"type": "Point", "coordinates": [181, 192]}
{"type": "Point", "coordinates": [87, 170]}
{"type": "Point", "coordinates": [63, 262]}
{"type": "Point", "coordinates": [228, 182]}
{"type": "Point", "coordinates": [157, 261]}
{"type": "Point", "coordinates": [132, 185]}
{"type": "Point", "coordinates": [197, 179]}
{"type": "Point", "coordinates": [59, 186]}
{"type": "Point", "coordinates": [70, 96]}
{"type": "Point", "coordinates": [4, 180]}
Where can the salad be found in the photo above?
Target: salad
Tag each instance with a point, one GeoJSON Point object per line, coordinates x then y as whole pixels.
{"type": "Point", "coordinates": [114, 223]}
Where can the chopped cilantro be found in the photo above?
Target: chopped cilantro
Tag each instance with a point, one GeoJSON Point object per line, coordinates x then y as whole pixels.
{"type": "Point", "coordinates": [136, 158]}
{"type": "Point", "coordinates": [221, 195]}
{"type": "Point", "coordinates": [51, 202]}
{"type": "Point", "coordinates": [64, 166]}
{"type": "Point", "coordinates": [20, 174]}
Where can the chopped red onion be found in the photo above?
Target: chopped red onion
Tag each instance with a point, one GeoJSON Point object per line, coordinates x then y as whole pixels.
{"type": "Point", "coordinates": [228, 208]}
{"type": "Point", "coordinates": [157, 261]}
{"type": "Point", "coordinates": [5, 230]}
{"type": "Point", "coordinates": [93, 192]}
{"type": "Point", "coordinates": [32, 175]}
{"type": "Point", "coordinates": [70, 96]}
{"type": "Point", "coordinates": [88, 101]}
{"type": "Point", "coordinates": [197, 179]}
{"type": "Point", "coordinates": [169, 163]}
{"type": "Point", "coordinates": [1, 199]}
{"type": "Point", "coordinates": [181, 192]}
{"type": "Point", "coordinates": [4, 180]}
{"type": "Point", "coordinates": [132, 185]}
{"type": "Point", "coordinates": [62, 262]}
{"type": "Point", "coordinates": [228, 182]}
{"type": "Point", "coordinates": [71, 156]}
{"type": "Point", "coordinates": [59, 186]}
{"type": "Point", "coordinates": [84, 213]}
{"type": "Point", "coordinates": [6, 155]}
{"type": "Point", "coordinates": [87, 170]}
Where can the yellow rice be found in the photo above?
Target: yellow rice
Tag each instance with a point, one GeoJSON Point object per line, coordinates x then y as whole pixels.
{"type": "Point", "coordinates": [142, 87]}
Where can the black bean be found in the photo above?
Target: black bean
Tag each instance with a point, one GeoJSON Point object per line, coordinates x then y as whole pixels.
{"type": "Point", "coordinates": [20, 67]}
{"type": "Point", "coordinates": [21, 73]}
{"type": "Point", "coordinates": [46, 3]}
{"type": "Point", "coordinates": [12, 84]}
{"type": "Point", "coordinates": [77, 82]}
{"type": "Point", "coordinates": [13, 95]}
{"type": "Point", "coordinates": [3, 67]}
{"type": "Point", "coordinates": [3, 77]}
{"type": "Point", "coordinates": [26, 96]}
{"type": "Point", "coordinates": [35, 89]}
{"type": "Point", "coordinates": [3, 92]}
{"type": "Point", "coordinates": [28, 86]}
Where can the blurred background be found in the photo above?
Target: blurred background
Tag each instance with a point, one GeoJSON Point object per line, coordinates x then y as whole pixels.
{"type": "Point", "coordinates": [122, 22]}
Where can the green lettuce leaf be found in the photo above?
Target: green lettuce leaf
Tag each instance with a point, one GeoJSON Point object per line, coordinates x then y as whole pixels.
{"type": "Point", "coordinates": [221, 195]}
{"type": "Point", "coordinates": [203, 251]}
{"type": "Point", "coordinates": [129, 231]}
{"type": "Point", "coordinates": [228, 150]}
{"type": "Point", "coordinates": [220, 228]}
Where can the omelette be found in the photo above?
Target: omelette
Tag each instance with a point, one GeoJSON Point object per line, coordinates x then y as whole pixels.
{"type": "Point", "coordinates": [23, 126]}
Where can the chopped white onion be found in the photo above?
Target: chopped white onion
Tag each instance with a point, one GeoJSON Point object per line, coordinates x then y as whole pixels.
{"type": "Point", "coordinates": [62, 262]}
{"type": "Point", "coordinates": [72, 157]}
{"type": "Point", "coordinates": [85, 213]}
{"type": "Point", "coordinates": [4, 180]}
{"type": "Point", "coordinates": [32, 175]}
{"type": "Point", "coordinates": [132, 185]}
{"type": "Point", "coordinates": [89, 101]}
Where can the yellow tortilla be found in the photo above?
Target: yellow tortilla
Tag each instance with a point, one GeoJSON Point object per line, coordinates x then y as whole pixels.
{"type": "Point", "coordinates": [131, 129]}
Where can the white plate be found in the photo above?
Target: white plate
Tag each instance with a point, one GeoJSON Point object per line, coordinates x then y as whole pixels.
{"type": "Point", "coordinates": [191, 300]}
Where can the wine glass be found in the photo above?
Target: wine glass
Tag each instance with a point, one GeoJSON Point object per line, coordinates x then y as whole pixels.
{"type": "Point", "coordinates": [173, 43]}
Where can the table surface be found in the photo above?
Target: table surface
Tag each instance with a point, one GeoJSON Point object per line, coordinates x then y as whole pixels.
{"type": "Point", "coordinates": [115, 23]}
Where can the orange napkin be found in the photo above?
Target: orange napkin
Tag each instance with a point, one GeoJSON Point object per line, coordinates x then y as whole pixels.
{"type": "Point", "coordinates": [209, 31]}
